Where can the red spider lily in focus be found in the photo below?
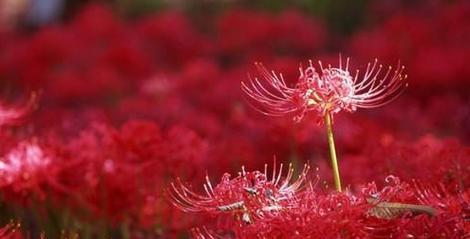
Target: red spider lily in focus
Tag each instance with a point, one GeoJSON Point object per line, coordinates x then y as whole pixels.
{"type": "Point", "coordinates": [137, 101]}
{"type": "Point", "coordinates": [325, 90]}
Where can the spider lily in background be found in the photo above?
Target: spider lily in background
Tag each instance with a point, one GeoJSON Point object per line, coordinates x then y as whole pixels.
{"type": "Point", "coordinates": [325, 91]}
{"type": "Point", "coordinates": [14, 114]}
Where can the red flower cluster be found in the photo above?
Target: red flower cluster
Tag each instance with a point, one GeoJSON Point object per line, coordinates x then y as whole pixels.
{"type": "Point", "coordinates": [427, 159]}
{"type": "Point", "coordinates": [117, 175]}
{"type": "Point", "coordinates": [127, 106]}
{"type": "Point", "coordinates": [130, 164]}
{"type": "Point", "coordinates": [24, 169]}
{"type": "Point", "coordinates": [256, 205]}
{"type": "Point", "coordinates": [429, 39]}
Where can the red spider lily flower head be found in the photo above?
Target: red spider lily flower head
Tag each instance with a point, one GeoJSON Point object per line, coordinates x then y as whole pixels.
{"type": "Point", "coordinates": [325, 89]}
{"type": "Point", "coordinates": [10, 115]}
{"type": "Point", "coordinates": [249, 196]}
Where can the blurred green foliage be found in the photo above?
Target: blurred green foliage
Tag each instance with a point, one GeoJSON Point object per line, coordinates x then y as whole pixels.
{"type": "Point", "coordinates": [341, 16]}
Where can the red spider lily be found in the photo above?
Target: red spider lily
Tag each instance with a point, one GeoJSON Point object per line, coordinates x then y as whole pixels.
{"type": "Point", "coordinates": [129, 163]}
{"type": "Point", "coordinates": [249, 196]}
{"type": "Point", "coordinates": [114, 175]}
{"type": "Point", "coordinates": [314, 213]}
{"type": "Point", "coordinates": [427, 158]}
{"type": "Point", "coordinates": [329, 90]}
{"type": "Point", "coordinates": [22, 160]}
{"type": "Point", "coordinates": [24, 170]}
{"type": "Point", "coordinates": [449, 219]}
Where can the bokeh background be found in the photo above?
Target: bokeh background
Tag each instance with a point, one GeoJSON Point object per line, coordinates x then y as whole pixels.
{"type": "Point", "coordinates": [132, 94]}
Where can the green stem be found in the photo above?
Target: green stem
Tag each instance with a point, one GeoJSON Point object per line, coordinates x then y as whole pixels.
{"type": "Point", "coordinates": [331, 144]}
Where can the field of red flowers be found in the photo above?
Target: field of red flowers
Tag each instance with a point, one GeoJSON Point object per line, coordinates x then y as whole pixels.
{"type": "Point", "coordinates": [139, 128]}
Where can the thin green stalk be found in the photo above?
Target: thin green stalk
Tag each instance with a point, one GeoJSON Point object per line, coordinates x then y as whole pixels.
{"type": "Point", "coordinates": [331, 145]}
